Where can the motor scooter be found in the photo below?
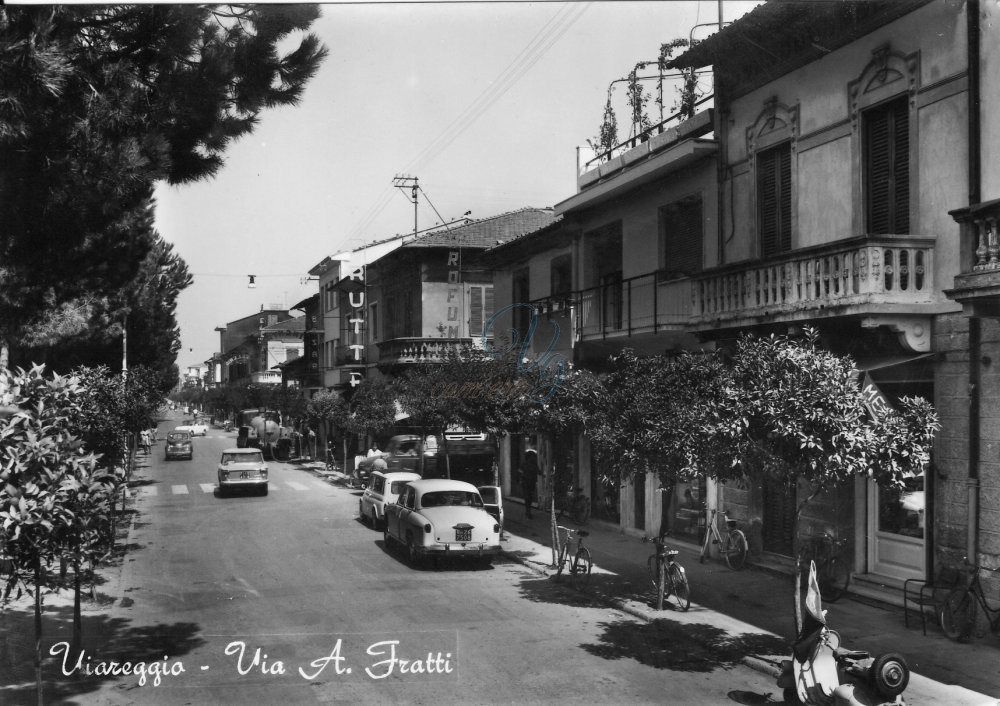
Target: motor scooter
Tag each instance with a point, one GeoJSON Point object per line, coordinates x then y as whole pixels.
{"type": "Point", "coordinates": [822, 673]}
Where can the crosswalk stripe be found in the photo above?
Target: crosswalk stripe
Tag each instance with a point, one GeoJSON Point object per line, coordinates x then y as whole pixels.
{"type": "Point", "coordinates": [207, 487]}
{"type": "Point", "coordinates": [179, 489]}
{"type": "Point", "coordinates": [296, 486]}
{"type": "Point", "coordinates": [150, 490]}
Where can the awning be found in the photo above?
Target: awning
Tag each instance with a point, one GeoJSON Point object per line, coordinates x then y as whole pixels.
{"type": "Point", "coordinates": [876, 402]}
{"type": "Point", "coordinates": [867, 364]}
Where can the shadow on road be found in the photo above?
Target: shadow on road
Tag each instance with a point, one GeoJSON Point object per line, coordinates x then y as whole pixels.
{"type": "Point", "coordinates": [105, 638]}
{"type": "Point", "coordinates": [670, 644]}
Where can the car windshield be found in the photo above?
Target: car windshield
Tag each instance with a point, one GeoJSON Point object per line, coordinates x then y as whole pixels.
{"type": "Point", "coordinates": [451, 498]}
{"type": "Point", "coordinates": [177, 437]}
{"type": "Point", "coordinates": [242, 458]}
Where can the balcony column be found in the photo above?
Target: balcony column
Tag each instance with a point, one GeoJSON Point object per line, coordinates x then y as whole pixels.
{"type": "Point", "coordinates": [993, 248]}
{"type": "Point", "coordinates": [982, 249]}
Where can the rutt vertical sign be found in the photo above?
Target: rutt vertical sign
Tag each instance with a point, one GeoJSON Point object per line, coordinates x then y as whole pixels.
{"type": "Point", "coordinates": [356, 324]}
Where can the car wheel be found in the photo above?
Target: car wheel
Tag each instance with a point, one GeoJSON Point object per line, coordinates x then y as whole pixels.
{"type": "Point", "coordinates": [264, 490]}
{"type": "Point", "coordinates": [386, 539]}
{"type": "Point", "coordinates": [222, 490]}
{"type": "Point", "coordinates": [411, 553]}
{"type": "Point", "coordinates": [374, 519]}
{"type": "Point", "coordinates": [361, 513]}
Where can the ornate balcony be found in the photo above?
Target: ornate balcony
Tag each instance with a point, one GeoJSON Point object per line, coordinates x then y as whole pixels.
{"type": "Point", "coordinates": [977, 287]}
{"type": "Point", "coordinates": [883, 279]}
{"type": "Point", "coordinates": [411, 351]}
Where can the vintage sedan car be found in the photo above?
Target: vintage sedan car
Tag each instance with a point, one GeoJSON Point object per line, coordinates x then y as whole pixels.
{"type": "Point", "coordinates": [382, 489]}
{"type": "Point", "coordinates": [194, 428]}
{"type": "Point", "coordinates": [178, 445]}
{"type": "Point", "coordinates": [438, 517]}
{"type": "Point", "coordinates": [242, 467]}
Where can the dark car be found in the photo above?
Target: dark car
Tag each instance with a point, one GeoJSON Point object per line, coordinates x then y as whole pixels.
{"type": "Point", "coordinates": [179, 445]}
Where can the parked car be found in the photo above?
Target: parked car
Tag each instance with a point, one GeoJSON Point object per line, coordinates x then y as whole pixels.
{"type": "Point", "coordinates": [195, 428]}
{"type": "Point", "coordinates": [178, 445]}
{"type": "Point", "coordinates": [242, 467]}
{"type": "Point", "coordinates": [382, 489]}
{"type": "Point", "coordinates": [439, 517]}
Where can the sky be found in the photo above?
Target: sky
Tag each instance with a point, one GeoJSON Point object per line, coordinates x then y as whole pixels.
{"type": "Point", "coordinates": [485, 103]}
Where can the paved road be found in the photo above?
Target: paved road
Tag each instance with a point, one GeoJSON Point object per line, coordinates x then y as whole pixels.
{"type": "Point", "coordinates": [289, 599]}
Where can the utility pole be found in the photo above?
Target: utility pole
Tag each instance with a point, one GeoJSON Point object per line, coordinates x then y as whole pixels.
{"type": "Point", "coordinates": [411, 183]}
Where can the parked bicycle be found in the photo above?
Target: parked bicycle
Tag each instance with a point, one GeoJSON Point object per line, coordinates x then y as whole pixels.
{"type": "Point", "coordinates": [958, 612]}
{"type": "Point", "coordinates": [667, 576]}
{"type": "Point", "coordinates": [574, 504]}
{"type": "Point", "coordinates": [733, 546]}
{"type": "Point", "coordinates": [832, 572]}
{"type": "Point", "coordinates": [576, 563]}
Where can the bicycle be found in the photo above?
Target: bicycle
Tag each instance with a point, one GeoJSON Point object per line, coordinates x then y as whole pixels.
{"type": "Point", "coordinates": [832, 573]}
{"type": "Point", "coordinates": [733, 546]}
{"type": "Point", "coordinates": [666, 575]}
{"type": "Point", "coordinates": [579, 566]}
{"type": "Point", "coordinates": [576, 505]}
{"type": "Point", "coordinates": [958, 612]}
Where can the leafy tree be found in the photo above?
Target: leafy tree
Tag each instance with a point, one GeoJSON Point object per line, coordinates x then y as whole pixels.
{"type": "Point", "coordinates": [373, 409]}
{"type": "Point", "coordinates": [40, 460]}
{"type": "Point", "coordinates": [331, 410]}
{"type": "Point", "coordinates": [102, 101]}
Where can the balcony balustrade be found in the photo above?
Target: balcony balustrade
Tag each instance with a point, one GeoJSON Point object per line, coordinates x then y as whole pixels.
{"type": "Point", "coordinates": [977, 287]}
{"type": "Point", "coordinates": [409, 351]}
{"type": "Point", "coordinates": [856, 276]}
{"type": "Point", "coordinates": [644, 304]}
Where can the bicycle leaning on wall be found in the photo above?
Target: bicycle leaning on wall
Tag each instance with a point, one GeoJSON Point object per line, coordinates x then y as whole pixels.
{"type": "Point", "coordinates": [573, 556]}
{"type": "Point", "coordinates": [958, 612]}
{"type": "Point", "coordinates": [733, 545]}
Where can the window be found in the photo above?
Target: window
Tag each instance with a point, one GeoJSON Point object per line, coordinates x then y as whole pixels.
{"type": "Point", "coordinates": [561, 275]}
{"type": "Point", "coordinates": [482, 305]}
{"type": "Point", "coordinates": [887, 167]}
{"type": "Point", "coordinates": [681, 236]}
{"type": "Point", "coordinates": [774, 199]}
{"type": "Point", "coordinates": [520, 293]}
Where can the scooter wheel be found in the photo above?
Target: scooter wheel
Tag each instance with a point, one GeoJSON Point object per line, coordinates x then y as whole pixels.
{"type": "Point", "coordinates": [889, 675]}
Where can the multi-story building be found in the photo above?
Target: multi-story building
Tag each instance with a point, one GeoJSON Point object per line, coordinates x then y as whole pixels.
{"type": "Point", "coordinates": [252, 347]}
{"type": "Point", "coordinates": [841, 180]}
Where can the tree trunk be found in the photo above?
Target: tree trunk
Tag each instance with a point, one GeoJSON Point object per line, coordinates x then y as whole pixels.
{"type": "Point", "coordinates": [77, 617]}
{"type": "Point", "coordinates": [38, 632]}
{"type": "Point", "coordinates": [555, 530]}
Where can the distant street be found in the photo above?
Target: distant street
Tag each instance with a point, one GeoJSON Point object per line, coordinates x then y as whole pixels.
{"type": "Point", "coordinates": [238, 590]}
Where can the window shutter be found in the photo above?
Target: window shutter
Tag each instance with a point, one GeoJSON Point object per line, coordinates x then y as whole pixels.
{"type": "Point", "coordinates": [476, 313]}
{"type": "Point", "coordinates": [489, 303]}
{"type": "Point", "coordinates": [774, 199]}
{"type": "Point", "coordinates": [887, 164]}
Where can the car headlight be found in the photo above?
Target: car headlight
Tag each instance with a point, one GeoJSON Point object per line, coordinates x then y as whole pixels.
{"type": "Point", "coordinates": [225, 475]}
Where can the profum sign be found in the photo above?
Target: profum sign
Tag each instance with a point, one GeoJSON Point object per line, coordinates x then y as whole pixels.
{"type": "Point", "coordinates": [454, 294]}
{"type": "Point", "coordinates": [356, 322]}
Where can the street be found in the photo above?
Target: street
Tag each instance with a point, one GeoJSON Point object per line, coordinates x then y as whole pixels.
{"type": "Point", "coordinates": [288, 598]}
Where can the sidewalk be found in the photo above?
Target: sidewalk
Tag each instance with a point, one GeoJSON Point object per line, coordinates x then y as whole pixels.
{"type": "Point", "coordinates": [755, 607]}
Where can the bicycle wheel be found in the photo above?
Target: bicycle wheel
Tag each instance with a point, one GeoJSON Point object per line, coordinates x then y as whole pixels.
{"type": "Point", "coordinates": [680, 586]}
{"type": "Point", "coordinates": [958, 614]}
{"type": "Point", "coordinates": [833, 579]}
{"type": "Point", "coordinates": [582, 565]}
{"type": "Point", "coordinates": [736, 549]}
{"type": "Point", "coordinates": [651, 568]}
{"type": "Point", "coordinates": [661, 584]}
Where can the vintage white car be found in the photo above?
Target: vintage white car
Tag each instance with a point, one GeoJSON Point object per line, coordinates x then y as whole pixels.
{"type": "Point", "coordinates": [441, 517]}
{"type": "Point", "coordinates": [383, 489]}
{"type": "Point", "coordinates": [193, 428]}
{"type": "Point", "coordinates": [242, 467]}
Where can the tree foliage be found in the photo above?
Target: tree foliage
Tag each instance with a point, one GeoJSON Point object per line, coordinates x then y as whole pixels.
{"type": "Point", "coordinates": [102, 101]}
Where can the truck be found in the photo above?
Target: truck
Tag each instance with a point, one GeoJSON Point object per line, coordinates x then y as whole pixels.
{"type": "Point", "coordinates": [462, 456]}
{"type": "Point", "coordinates": [262, 429]}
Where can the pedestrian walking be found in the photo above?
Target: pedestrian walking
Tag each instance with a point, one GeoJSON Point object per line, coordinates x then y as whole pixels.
{"type": "Point", "coordinates": [144, 440]}
{"type": "Point", "coordinates": [529, 479]}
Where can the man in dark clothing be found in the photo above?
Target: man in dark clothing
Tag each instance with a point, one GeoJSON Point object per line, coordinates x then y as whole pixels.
{"type": "Point", "coordinates": [529, 479]}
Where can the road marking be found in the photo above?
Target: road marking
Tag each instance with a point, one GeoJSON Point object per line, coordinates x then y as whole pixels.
{"type": "Point", "coordinates": [207, 487]}
{"type": "Point", "coordinates": [296, 486]}
{"type": "Point", "coordinates": [179, 489]}
{"type": "Point", "coordinates": [150, 490]}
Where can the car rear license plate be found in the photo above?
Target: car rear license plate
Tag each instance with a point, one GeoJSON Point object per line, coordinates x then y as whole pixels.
{"type": "Point", "coordinates": [463, 535]}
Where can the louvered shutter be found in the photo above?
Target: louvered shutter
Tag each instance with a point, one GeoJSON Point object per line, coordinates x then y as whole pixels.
{"type": "Point", "coordinates": [476, 313]}
{"type": "Point", "coordinates": [887, 166]}
{"type": "Point", "coordinates": [774, 197]}
{"type": "Point", "coordinates": [489, 303]}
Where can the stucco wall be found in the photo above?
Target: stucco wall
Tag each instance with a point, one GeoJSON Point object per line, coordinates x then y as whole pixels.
{"type": "Point", "coordinates": [990, 95]}
{"type": "Point", "coordinates": [823, 193]}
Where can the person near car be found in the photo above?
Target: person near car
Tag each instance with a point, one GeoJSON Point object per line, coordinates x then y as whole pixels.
{"type": "Point", "coordinates": [529, 479]}
{"type": "Point", "coordinates": [373, 450]}
{"type": "Point", "coordinates": [144, 440]}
